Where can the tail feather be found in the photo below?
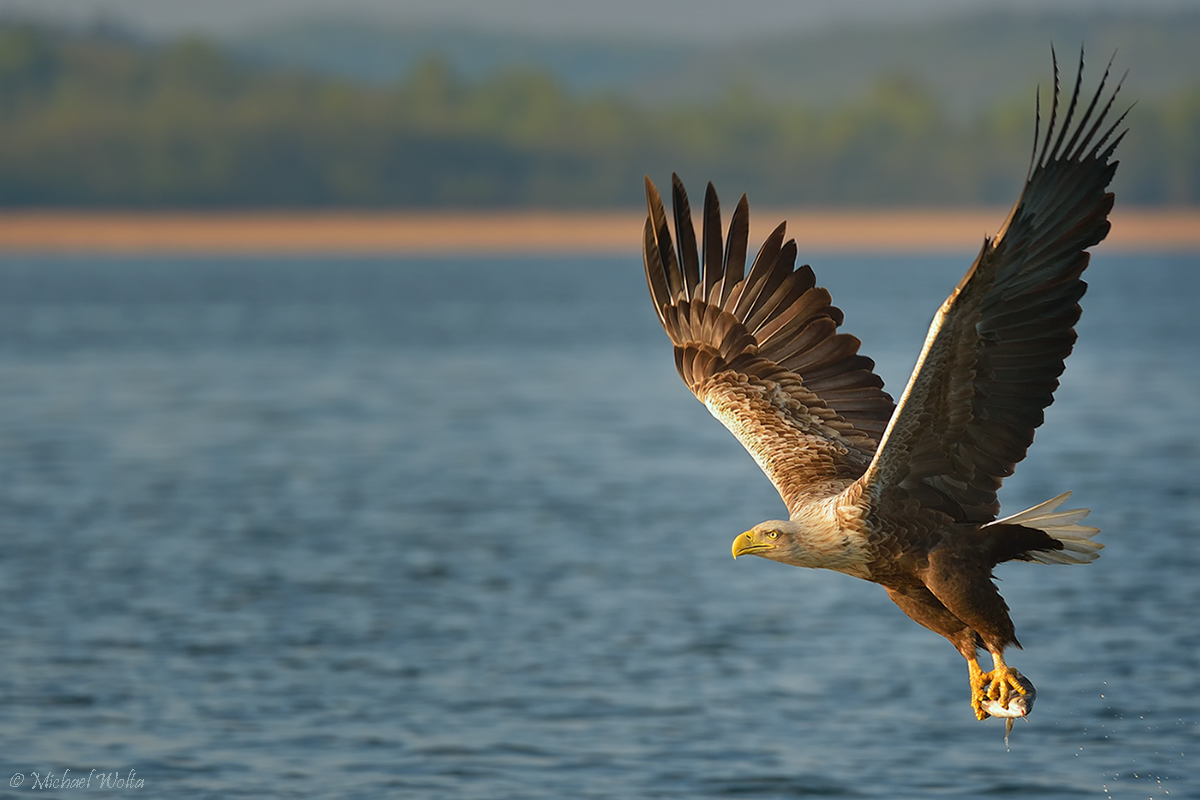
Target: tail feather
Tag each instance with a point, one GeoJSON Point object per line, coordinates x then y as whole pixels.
{"type": "Point", "coordinates": [1078, 547]}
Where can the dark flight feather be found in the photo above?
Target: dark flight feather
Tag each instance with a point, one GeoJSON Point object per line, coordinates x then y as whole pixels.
{"type": "Point", "coordinates": [998, 345]}
{"type": "Point", "coordinates": [772, 334]}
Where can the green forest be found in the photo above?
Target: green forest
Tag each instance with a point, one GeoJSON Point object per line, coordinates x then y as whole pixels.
{"type": "Point", "coordinates": [97, 121]}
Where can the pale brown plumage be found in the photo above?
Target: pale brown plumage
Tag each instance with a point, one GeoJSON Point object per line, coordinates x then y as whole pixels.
{"type": "Point", "coordinates": [900, 495]}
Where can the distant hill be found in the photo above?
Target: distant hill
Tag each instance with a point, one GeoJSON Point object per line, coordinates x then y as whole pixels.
{"type": "Point", "coordinates": [969, 61]}
{"type": "Point", "coordinates": [99, 119]}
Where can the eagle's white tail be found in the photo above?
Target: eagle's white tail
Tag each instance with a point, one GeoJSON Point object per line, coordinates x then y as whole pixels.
{"type": "Point", "coordinates": [1078, 547]}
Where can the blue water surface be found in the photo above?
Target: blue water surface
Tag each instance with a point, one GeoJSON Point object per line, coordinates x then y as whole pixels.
{"type": "Point", "coordinates": [453, 528]}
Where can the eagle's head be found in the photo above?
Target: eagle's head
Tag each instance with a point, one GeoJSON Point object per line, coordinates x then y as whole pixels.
{"type": "Point", "coordinates": [810, 541]}
{"type": "Point", "coordinates": [775, 539]}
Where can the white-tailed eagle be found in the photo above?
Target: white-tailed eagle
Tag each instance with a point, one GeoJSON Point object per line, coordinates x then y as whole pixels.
{"type": "Point", "coordinates": [901, 494]}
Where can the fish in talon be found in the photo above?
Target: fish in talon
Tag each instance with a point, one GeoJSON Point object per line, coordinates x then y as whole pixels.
{"type": "Point", "coordinates": [1018, 705]}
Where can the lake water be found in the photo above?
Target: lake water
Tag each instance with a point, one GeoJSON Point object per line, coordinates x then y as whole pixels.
{"type": "Point", "coordinates": [451, 528]}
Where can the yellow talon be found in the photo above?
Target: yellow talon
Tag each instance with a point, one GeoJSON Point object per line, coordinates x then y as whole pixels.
{"type": "Point", "coordinates": [992, 691]}
{"type": "Point", "coordinates": [1001, 681]}
{"type": "Point", "coordinates": [999, 698]}
{"type": "Point", "coordinates": [979, 681]}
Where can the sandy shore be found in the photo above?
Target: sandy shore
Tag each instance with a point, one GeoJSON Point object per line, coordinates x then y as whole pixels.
{"type": "Point", "coordinates": [529, 232]}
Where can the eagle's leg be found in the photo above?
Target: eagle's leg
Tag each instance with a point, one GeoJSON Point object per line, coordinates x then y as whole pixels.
{"type": "Point", "coordinates": [1001, 680]}
{"type": "Point", "coordinates": [922, 606]}
{"type": "Point", "coordinates": [979, 686]}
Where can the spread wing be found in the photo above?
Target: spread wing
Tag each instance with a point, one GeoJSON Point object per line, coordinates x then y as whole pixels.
{"type": "Point", "coordinates": [996, 347]}
{"type": "Point", "coordinates": [761, 349]}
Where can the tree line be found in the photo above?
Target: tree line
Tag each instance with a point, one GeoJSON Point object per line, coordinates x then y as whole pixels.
{"type": "Point", "coordinates": [91, 120]}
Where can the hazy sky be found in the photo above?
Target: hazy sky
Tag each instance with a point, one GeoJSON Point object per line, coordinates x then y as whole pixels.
{"type": "Point", "coordinates": [666, 19]}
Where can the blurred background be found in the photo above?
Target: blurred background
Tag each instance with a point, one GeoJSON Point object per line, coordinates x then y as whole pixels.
{"type": "Point", "coordinates": [542, 104]}
{"type": "Point", "coordinates": [441, 523]}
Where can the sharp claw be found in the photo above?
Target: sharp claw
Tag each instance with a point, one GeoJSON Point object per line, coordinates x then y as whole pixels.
{"type": "Point", "coordinates": [997, 687]}
{"type": "Point", "coordinates": [1001, 683]}
{"type": "Point", "coordinates": [978, 690]}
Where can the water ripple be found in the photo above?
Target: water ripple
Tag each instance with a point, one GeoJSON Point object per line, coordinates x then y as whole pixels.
{"type": "Point", "coordinates": [322, 528]}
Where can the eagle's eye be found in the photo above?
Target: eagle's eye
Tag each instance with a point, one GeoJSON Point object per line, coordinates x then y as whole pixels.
{"type": "Point", "coordinates": [773, 534]}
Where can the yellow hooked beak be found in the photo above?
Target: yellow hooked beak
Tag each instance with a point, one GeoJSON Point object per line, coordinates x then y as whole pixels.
{"type": "Point", "coordinates": [745, 543]}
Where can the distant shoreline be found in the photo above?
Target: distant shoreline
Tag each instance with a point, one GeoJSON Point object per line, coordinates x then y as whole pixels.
{"type": "Point", "coordinates": [529, 233]}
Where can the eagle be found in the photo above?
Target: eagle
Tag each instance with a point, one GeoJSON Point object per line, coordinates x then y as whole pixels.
{"type": "Point", "coordinates": [902, 494]}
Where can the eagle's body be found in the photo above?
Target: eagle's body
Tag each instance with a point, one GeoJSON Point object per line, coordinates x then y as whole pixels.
{"type": "Point", "coordinates": [904, 494]}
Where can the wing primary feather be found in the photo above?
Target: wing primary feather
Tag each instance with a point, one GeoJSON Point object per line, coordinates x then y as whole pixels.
{"type": "Point", "coordinates": [736, 243]}
{"type": "Point", "coordinates": [1112, 147]}
{"type": "Point", "coordinates": [662, 237]}
{"type": "Point", "coordinates": [1108, 151]}
{"type": "Point", "coordinates": [1066, 124]}
{"type": "Point", "coordinates": [713, 246]}
{"type": "Point", "coordinates": [1053, 111]}
{"type": "Point", "coordinates": [1099, 143]}
{"type": "Point", "coordinates": [786, 293]}
{"type": "Point", "coordinates": [792, 304]}
{"type": "Point", "coordinates": [782, 286]}
{"type": "Point", "coordinates": [686, 235]}
{"type": "Point", "coordinates": [655, 277]}
{"type": "Point", "coordinates": [1073, 152]}
{"type": "Point", "coordinates": [1037, 121]}
{"type": "Point", "coordinates": [761, 271]}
